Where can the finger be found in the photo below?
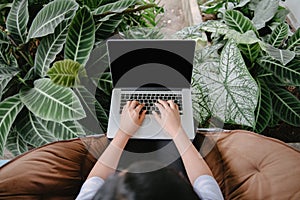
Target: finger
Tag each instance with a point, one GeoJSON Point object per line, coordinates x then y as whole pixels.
{"type": "Point", "coordinates": [164, 103]}
{"type": "Point", "coordinates": [133, 104]}
{"type": "Point", "coordinates": [139, 108]}
{"type": "Point", "coordinates": [160, 107]}
{"type": "Point", "coordinates": [172, 104]}
{"type": "Point", "coordinates": [142, 116]}
{"type": "Point", "coordinates": [126, 106]}
{"type": "Point", "coordinates": [156, 116]}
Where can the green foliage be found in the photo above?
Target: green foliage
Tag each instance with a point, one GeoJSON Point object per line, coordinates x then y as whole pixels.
{"type": "Point", "coordinates": [48, 87]}
{"type": "Point", "coordinates": [271, 57]}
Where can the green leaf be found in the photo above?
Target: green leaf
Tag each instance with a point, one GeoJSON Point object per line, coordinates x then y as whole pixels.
{"type": "Point", "coordinates": [33, 131]}
{"type": "Point", "coordinates": [50, 16]}
{"type": "Point", "coordinates": [106, 28]}
{"type": "Point", "coordinates": [9, 109]}
{"type": "Point", "coordinates": [65, 73]}
{"type": "Point", "coordinates": [212, 26]}
{"type": "Point", "coordinates": [242, 38]}
{"type": "Point", "coordinates": [17, 20]}
{"type": "Point", "coordinates": [279, 35]}
{"type": "Point", "coordinates": [6, 74]}
{"type": "Point", "coordinates": [289, 74]}
{"type": "Point", "coordinates": [115, 7]}
{"type": "Point", "coordinates": [94, 110]}
{"type": "Point", "coordinates": [236, 20]}
{"type": "Point", "coordinates": [52, 102]}
{"type": "Point", "coordinates": [286, 106]}
{"type": "Point", "coordinates": [64, 130]}
{"type": "Point", "coordinates": [264, 108]}
{"type": "Point", "coordinates": [81, 36]}
{"type": "Point", "coordinates": [105, 83]}
{"type": "Point", "coordinates": [49, 47]}
{"type": "Point", "coordinates": [293, 43]}
{"type": "Point", "coordinates": [232, 91]}
{"type": "Point", "coordinates": [15, 143]}
{"type": "Point", "coordinates": [281, 55]}
{"type": "Point", "coordinates": [251, 51]}
{"type": "Point", "coordinates": [264, 11]}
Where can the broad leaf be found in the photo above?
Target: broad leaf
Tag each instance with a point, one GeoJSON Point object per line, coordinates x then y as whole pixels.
{"type": "Point", "coordinates": [232, 91]}
{"type": "Point", "coordinates": [281, 55]}
{"type": "Point", "coordinates": [294, 42]}
{"type": "Point", "coordinates": [50, 16]}
{"type": "Point", "coordinates": [279, 35]}
{"type": "Point", "coordinates": [286, 106]}
{"type": "Point", "coordinates": [81, 36]}
{"type": "Point", "coordinates": [15, 143]}
{"type": "Point", "coordinates": [105, 83]}
{"type": "Point", "coordinates": [236, 20]}
{"type": "Point", "coordinates": [63, 130]}
{"type": "Point", "coordinates": [264, 108]}
{"type": "Point", "coordinates": [33, 131]}
{"type": "Point", "coordinates": [264, 11]}
{"type": "Point", "coordinates": [115, 7]}
{"type": "Point", "coordinates": [52, 102]}
{"type": "Point", "coordinates": [212, 26]}
{"type": "Point", "coordinates": [96, 116]}
{"type": "Point", "coordinates": [242, 38]}
{"type": "Point", "coordinates": [6, 74]}
{"type": "Point", "coordinates": [9, 109]}
{"type": "Point", "coordinates": [106, 28]}
{"type": "Point", "coordinates": [251, 51]}
{"type": "Point", "coordinates": [289, 74]}
{"type": "Point", "coordinates": [65, 73]}
{"type": "Point", "coordinates": [17, 20]}
{"type": "Point", "coordinates": [49, 47]}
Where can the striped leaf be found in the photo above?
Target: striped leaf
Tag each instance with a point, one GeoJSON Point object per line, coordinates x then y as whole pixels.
{"type": "Point", "coordinates": [15, 143]}
{"type": "Point", "coordinates": [105, 83]}
{"type": "Point", "coordinates": [289, 74]}
{"type": "Point", "coordinates": [293, 43]}
{"type": "Point", "coordinates": [9, 109]}
{"type": "Point", "coordinates": [50, 16]}
{"type": "Point", "coordinates": [52, 102]}
{"type": "Point", "coordinates": [251, 51]}
{"type": "Point", "coordinates": [286, 106]}
{"type": "Point", "coordinates": [264, 110]}
{"type": "Point", "coordinates": [49, 47]}
{"type": "Point", "coordinates": [65, 73]}
{"type": "Point", "coordinates": [33, 131]}
{"type": "Point", "coordinates": [81, 36]}
{"type": "Point", "coordinates": [63, 130]}
{"type": "Point", "coordinates": [17, 20]}
{"type": "Point", "coordinates": [96, 115]}
{"type": "Point", "coordinates": [115, 7]}
{"type": "Point", "coordinates": [232, 91]}
{"type": "Point", "coordinates": [6, 74]}
{"type": "Point", "coordinates": [106, 28]}
{"type": "Point", "coordinates": [236, 20]}
{"type": "Point", "coordinates": [279, 35]}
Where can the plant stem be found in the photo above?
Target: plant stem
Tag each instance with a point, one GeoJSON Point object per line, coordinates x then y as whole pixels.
{"type": "Point", "coordinates": [22, 80]}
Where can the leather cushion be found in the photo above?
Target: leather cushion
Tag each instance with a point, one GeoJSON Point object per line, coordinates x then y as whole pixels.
{"type": "Point", "coordinates": [54, 171]}
{"type": "Point", "coordinates": [251, 166]}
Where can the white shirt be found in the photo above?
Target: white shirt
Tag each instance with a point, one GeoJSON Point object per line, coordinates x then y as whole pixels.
{"type": "Point", "coordinates": [205, 186]}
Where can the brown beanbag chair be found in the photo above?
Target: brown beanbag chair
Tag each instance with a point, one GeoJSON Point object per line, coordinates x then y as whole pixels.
{"type": "Point", "coordinates": [251, 166]}
{"type": "Point", "coordinates": [54, 171]}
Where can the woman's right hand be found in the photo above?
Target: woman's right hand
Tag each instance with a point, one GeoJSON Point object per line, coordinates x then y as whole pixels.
{"type": "Point", "coordinates": [169, 117]}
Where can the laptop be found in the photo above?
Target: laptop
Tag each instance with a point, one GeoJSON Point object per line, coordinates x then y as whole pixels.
{"type": "Point", "coordinates": [147, 70]}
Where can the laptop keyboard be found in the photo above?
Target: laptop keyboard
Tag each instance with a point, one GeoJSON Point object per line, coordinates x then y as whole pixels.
{"type": "Point", "coordinates": [149, 99]}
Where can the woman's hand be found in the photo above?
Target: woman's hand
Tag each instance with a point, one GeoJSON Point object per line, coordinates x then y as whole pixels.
{"type": "Point", "coordinates": [131, 118]}
{"type": "Point", "coordinates": [169, 117]}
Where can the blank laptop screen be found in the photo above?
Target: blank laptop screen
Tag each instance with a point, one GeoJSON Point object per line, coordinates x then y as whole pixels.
{"type": "Point", "coordinates": [151, 63]}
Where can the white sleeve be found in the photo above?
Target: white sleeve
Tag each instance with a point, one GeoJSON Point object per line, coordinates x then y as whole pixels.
{"type": "Point", "coordinates": [207, 188]}
{"type": "Point", "coordinates": [90, 188]}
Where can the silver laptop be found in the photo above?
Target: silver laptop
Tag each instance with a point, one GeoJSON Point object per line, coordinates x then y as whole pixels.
{"type": "Point", "coordinates": [147, 70]}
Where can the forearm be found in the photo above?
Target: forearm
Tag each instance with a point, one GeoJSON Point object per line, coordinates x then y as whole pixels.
{"type": "Point", "coordinates": [193, 162]}
{"type": "Point", "coordinates": [108, 161]}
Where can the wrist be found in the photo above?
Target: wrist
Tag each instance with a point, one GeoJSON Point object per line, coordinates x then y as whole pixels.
{"type": "Point", "coordinates": [121, 139]}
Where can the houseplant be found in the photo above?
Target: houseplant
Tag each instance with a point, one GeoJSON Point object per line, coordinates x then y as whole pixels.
{"type": "Point", "coordinates": [46, 93]}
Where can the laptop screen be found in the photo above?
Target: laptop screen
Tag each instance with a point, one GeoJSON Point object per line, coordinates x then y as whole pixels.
{"type": "Point", "coordinates": [151, 63]}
